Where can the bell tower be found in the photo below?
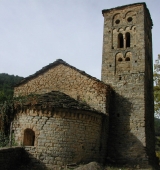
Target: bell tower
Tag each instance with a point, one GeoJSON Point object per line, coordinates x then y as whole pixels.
{"type": "Point", "coordinates": [127, 67]}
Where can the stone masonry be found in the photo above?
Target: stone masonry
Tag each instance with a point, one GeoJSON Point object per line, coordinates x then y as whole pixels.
{"type": "Point", "coordinates": [72, 133]}
{"type": "Point", "coordinates": [68, 116]}
{"type": "Point", "coordinates": [127, 67]}
{"type": "Point", "coordinates": [60, 76]}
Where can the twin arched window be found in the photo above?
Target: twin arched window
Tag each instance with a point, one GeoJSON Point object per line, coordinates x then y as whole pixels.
{"type": "Point", "coordinates": [124, 42]}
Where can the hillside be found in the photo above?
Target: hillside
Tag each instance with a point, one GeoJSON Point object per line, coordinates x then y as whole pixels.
{"type": "Point", "coordinates": [7, 83]}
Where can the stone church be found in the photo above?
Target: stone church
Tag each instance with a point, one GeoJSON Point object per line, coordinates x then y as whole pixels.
{"type": "Point", "coordinates": [70, 117]}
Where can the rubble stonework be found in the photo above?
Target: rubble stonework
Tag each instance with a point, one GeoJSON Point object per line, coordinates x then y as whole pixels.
{"type": "Point", "coordinates": [127, 67]}
{"type": "Point", "coordinates": [66, 131]}
{"type": "Point", "coordinates": [60, 76]}
{"type": "Point", "coordinates": [65, 117]}
{"type": "Point", "coordinates": [66, 137]}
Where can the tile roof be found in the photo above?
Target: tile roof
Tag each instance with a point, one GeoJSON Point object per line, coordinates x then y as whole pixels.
{"type": "Point", "coordinates": [54, 99]}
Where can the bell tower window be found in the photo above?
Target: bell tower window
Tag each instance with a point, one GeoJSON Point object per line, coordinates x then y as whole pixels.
{"type": "Point", "coordinates": [128, 39]}
{"type": "Point", "coordinates": [120, 40]}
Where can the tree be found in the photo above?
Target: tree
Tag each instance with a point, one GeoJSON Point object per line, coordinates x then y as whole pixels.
{"type": "Point", "coordinates": [7, 83]}
{"type": "Point", "coordinates": [156, 79]}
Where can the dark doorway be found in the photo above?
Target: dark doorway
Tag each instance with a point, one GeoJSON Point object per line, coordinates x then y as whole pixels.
{"type": "Point", "coordinates": [29, 137]}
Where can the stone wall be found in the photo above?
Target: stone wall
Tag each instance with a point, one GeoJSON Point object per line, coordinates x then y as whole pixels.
{"type": "Point", "coordinates": [69, 81]}
{"type": "Point", "coordinates": [128, 69]}
{"type": "Point", "coordinates": [11, 158]}
{"type": "Point", "coordinates": [149, 98]}
{"type": "Point", "coordinates": [64, 136]}
{"type": "Point", "coordinates": [127, 137]}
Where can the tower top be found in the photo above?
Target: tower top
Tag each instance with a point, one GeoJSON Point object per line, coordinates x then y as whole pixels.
{"type": "Point", "coordinates": [129, 6]}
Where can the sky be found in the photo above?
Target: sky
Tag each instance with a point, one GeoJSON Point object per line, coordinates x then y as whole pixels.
{"type": "Point", "coordinates": [34, 33]}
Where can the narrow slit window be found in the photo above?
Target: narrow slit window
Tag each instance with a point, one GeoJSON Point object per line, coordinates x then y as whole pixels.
{"type": "Point", "coordinates": [29, 137]}
{"type": "Point", "coordinates": [120, 40]}
{"type": "Point", "coordinates": [128, 39]}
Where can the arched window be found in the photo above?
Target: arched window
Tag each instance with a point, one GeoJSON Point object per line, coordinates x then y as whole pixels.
{"type": "Point", "coordinates": [29, 137]}
{"type": "Point", "coordinates": [119, 59]}
{"type": "Point", "coordinates": [120, 40]}
{"type": "Point", "coordinates": [127, 59]}
{"type": "Point", "coordinates": [128, 39]}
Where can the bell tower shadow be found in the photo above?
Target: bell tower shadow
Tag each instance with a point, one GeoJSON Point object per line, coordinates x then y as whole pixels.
{"type": "Point", "coordinates": [123, 146]}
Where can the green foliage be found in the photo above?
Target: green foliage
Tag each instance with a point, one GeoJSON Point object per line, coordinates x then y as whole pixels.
{"type": "Point", "coordinates": [156, 78]}
{"type": "Point", "coordinates": [158, 154]}
{"type": "Point", "coordinates": [157, 126]}
{"type": "Point", "coordinates": [4, 140]}
{"type": "Point", "coordinates": [157, 139]}
{"type": "Point", "coordinates": [157, 94]}
{"type": "Point", "coordinates": [7, 83]}
{"type": "Point", "coordinates": [6, 111]}
{"type": "Point", "coordinates": [157, 147]}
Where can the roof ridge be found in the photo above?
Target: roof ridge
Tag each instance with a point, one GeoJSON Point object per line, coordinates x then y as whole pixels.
{"type": "Point", "coordinates": [54, 64]}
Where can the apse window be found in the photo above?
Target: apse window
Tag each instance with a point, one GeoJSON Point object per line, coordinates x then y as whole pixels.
{"type": "Point", "coordinates": [29, 137]}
